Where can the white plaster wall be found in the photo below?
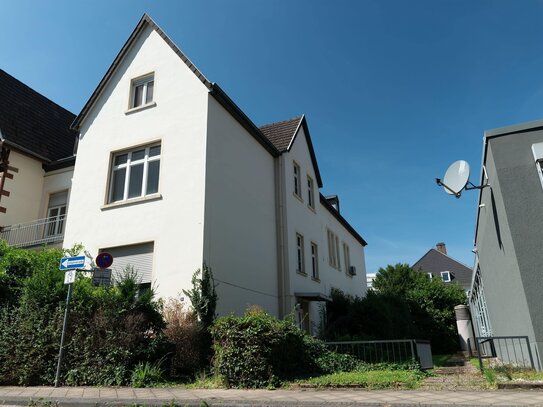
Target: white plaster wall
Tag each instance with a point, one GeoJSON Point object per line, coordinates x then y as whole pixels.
{"type": "Point", "coordinates": [174, 222]}
{"type": "Point", "coordinates": [313, 226]}
{"type": "Point", "coordinates": [240, 223]}
{"type": "Point", "coordinates": [53, 182]}
{"type": "Point", "coordinates": [23, 204]}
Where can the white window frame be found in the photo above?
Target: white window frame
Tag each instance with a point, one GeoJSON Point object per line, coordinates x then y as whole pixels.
{"type": "Point", "coordinates": [128, 166]}
{"type": "Point", "coordinates": [310, 193]}
{"type": "Point", "coordinates": [314, 261]}
{"type": "Point", "coordinates": [446, 273]}
{"type": "Point", "coordinates": [300, 255]}
{"type": "Point", "coordinates": [297, 180]}
{"type": "Point", "coordinates": [144, 80]}
{"type": "Point", "coordinates": [430, 275]}
{"type": "Point", "coordinates": [347, 257]}
{"type": "Point", "coordinates": [333, 250]}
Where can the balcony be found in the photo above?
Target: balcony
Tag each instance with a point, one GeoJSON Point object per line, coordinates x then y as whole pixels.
{"type": "Point", "coordinates": [36, 233]}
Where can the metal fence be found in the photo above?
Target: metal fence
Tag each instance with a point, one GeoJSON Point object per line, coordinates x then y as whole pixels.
{"type": "Point", "coordinates": [41, 231]}
{"type": "Point", "coordinates": [391, 351]}
{"type": "Point", "coordinates": [504, 350]}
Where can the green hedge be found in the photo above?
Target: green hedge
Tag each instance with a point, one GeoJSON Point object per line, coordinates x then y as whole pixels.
{"type": "Point", "coordinates": [258, 350]}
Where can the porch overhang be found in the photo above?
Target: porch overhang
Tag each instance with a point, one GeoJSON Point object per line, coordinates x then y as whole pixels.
{"type": "Point", "coordinates": [313, 296]}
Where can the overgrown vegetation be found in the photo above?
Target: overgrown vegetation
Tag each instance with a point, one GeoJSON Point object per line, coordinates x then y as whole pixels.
{"type": "Point", "coordinates": [121, 335]}
{"type": "Point", "coordinates": [373, 380]}
{"type": "Point", "coordinates": [405, 304]}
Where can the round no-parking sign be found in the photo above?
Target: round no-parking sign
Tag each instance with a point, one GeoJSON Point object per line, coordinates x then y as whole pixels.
{"type": "Point", "coordinates": [104, 260]}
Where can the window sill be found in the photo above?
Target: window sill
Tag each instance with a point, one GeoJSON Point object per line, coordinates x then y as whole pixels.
{"type": "Point", "coordinates": [298, 197]}
{"type": "Point", "coordinates": [311, 209]}
{"type": "Point", "coordinates": [133, 201]}
{"type": "Point", "coordinates": [301, 273]}
{"type": "Point", "coordinates": [140, 108]}
{"type": "Point", "coordinates": [317, 280]}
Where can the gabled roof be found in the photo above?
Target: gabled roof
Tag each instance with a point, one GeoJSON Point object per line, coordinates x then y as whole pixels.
{"type": "Point", "coordinates": [33, 124]}
{"type": "Point", "coordinates": [214, 89]}
{"type": "Point", "coordinates": [435, 262]}
{"type": "Point", "coordinates": [282, 135]}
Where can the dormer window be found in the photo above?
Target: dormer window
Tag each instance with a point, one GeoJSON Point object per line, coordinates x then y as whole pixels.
{"type": "Point", "coordinates": [142, 91]}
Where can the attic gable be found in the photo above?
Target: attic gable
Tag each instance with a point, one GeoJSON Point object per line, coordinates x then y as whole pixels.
{"type": "Point", "coordinates": [144, 22]}
{"type": "Point", "coordinates": [283, 135]}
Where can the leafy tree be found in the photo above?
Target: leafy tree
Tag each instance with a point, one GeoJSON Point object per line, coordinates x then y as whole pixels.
{"type": "Point", "coordinates": [405, 304]}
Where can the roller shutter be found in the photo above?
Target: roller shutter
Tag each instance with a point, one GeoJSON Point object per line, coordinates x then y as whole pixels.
{"type": "Point", "coordinates": [140, 256]}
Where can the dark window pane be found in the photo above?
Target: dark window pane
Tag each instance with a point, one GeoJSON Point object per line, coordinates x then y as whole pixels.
{"type": "Point", "coordinates": [152, 177]}
{"type": "Point", "coordinates": [155, 150]}
{"type": "Point", "coordinates": [138, 155]}
{"type": "Point", "coordinates": [117, 187]}
{"type": "Point", "coordinates": [135, 182]}
{"type": "Point", "coordinates": [121, 159]}
{"type": "Point", "coordinates": [150, 89]}
{"type": "Point", "coordinates": [138, 96]}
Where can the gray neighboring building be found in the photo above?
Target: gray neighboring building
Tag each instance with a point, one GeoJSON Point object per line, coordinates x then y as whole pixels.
{"type": "Point", "coordinates": [437, 263]}
{"type": "Point", "coordinates": [506, 298]}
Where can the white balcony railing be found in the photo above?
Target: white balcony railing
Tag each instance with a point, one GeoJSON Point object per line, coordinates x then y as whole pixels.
{"type": "Point", "coordinates": [38, 232]}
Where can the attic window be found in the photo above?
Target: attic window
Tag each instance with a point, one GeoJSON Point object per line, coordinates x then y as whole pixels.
{"type": "Point", "coordinates": [142, 91]}
{"type": "Point", "coordinates": [446, 276]}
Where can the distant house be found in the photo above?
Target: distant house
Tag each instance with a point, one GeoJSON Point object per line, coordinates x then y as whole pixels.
{"type": "Point", "coordinates": [36, 165]}
{"type": "Point", "coordinates": [438, 264]}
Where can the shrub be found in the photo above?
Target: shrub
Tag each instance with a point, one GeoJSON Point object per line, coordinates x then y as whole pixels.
{"type": "Point", "coordinates": [146, 374]}
{"type": "Point", "coordinates": [184, 332]}
{"type": "Point", "coordinates": [258, 350]}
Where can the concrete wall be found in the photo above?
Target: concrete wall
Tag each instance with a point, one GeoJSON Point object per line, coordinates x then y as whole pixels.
{"type": "Point", "coordinates": [240, 224]}
{"type": "Point", "coordinates": [509, 238]}
{"type": "Point", "coordinates": [173, 220]}
{"type": "Point", "coordinates": [313, 225]}
{"type": "Point", "coordinates": [23, 204]}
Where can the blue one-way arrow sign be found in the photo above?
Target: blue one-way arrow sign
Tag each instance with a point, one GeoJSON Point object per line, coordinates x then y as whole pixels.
{"type": "Point", "coordinates": [69, 263]}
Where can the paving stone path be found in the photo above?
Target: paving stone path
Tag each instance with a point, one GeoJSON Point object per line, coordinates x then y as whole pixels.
{"type": "Point", "coordinates": [458, 375]}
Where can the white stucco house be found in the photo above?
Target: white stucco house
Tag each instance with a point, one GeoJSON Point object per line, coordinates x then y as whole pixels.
{"type": "Point", "coordinates": [171, 174]}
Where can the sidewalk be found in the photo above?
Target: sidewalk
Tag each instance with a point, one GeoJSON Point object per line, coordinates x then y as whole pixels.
{"type": "Point", "coordinates": [96, 396]}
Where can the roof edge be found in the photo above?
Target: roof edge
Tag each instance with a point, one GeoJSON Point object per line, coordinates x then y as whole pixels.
{"type": "Point", "coordinates": [226, 102]}
{"type": "Point", "coordinates": [303, 123]}
{"type": "Point", "coordinates": [514, 128]}
{"type": "Point", "coordinates": [342, 220]}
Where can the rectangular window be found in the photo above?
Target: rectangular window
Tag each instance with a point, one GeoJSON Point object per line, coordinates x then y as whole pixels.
{"type": "Point", "coordinates": [333, 250]}
{"type": "Point", "coordinates": [314, 261]}
{"type": "Point", "coordinates": [297, 181]}
{"type": "Point", "coordinates": [347, 257]}
{"type": "Point", "coordinates": [56, 213]}
{"type": "Point", "coordinates": [430, 275]}
{"type": "Point", "coordinates": [445, 276]}
{"type": "Point", "coordinates": [310, 193]}
{"type": "Point", "coordinates": [134, 173]}
{"type": "Point", "coordinates": [300, 261]}
{"type": "Point", "coordinates": [142, 91]}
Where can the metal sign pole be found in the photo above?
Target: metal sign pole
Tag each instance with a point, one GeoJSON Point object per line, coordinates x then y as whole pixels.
{"type": "Point", "coordinates": [61, 352]}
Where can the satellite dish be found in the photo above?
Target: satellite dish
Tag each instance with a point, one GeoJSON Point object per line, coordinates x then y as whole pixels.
{"type": "Point", "coordinates": [456, 177]}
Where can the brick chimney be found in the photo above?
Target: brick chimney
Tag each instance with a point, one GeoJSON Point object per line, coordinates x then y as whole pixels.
{"type": "Point", "coordinates": [440, 247]}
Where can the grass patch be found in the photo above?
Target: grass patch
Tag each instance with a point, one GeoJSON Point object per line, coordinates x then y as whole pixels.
{"type": "Point", "coordinates": [375, 379]}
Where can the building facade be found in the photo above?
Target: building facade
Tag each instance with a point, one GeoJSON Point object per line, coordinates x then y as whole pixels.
{"type": "Point", "coordinates": [171, 175]}
{"type": "Point", "coordinates": [36, 165]}
{"type": "Point", "coordinates": [505, 299]}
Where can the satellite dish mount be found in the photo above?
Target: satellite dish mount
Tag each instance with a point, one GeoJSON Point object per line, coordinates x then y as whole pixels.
{"type": "Point", "coordinates": [456, 179]}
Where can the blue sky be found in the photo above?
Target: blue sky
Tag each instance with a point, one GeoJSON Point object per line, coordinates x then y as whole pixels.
{"type": "Point", "coordinates": [394, 91]}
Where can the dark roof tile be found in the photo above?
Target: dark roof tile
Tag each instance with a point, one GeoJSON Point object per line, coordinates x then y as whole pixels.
{"type": "Point", "coordinates": [435, 262]}
{"type": "Point", "coordinates": [31, 122]}
{"type": "Point", "coordinates": [281, 133]}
